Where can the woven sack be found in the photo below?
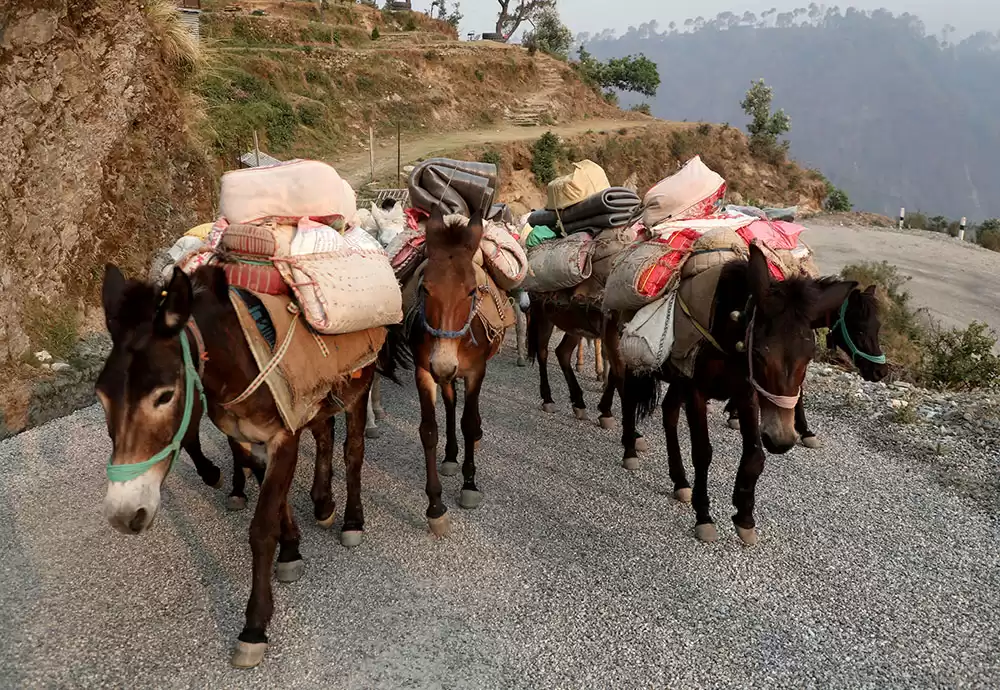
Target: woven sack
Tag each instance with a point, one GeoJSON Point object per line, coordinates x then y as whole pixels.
{"type": "Point", "coordinates": [586, 180]}
{"type": "Point", "coordinates": [344, 291]}
{"type": "Point", "coordinates": [559, 264]}
{"type": "Point", "coordinates": [714, 248]}
{"type": "Point", "coordinates": [259, 241]}
{"type": "Point", "coordinates": [294, 189]}
{"type": "Point", "coordinates": [694, 191]}
{"type": "Point", "coordinates": [648, 337]}
{"type": "Point", "coordinates": [608, 244]}
{"type": "Point", "coordinates": [406, 252]}
{"type": "Point", "coordinates": [642, 273]}
{"type": "Point", "coordinates": [260, 279]}
{"type": "Point", "coordinates": [503, 257]}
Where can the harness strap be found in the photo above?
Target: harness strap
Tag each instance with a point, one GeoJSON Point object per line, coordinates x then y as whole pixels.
{"type": "Point", "coordinates": [841, 322]}
{"type": "Point", "coordinates": [199, 342]}
{"type": "Point", "coordinates": [787, 402]}
{"type": "Point", "coordinates": [697, 325]}
{"type": "Point", "coordinates": [271, 366]}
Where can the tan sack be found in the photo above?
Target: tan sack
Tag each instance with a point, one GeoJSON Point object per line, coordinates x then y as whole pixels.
{"type": "Point", "coordinates": [290, 190]}
{"type": "Point", "coordinates": [559, 264]}
{"type": "Point", "coordinates": [587, 179]}
{"type": "Point", "coordinates": [691, 192]}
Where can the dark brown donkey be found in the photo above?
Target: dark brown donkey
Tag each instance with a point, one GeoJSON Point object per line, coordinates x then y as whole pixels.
{"type": "Point", "coordinates": [449, 342]}
{"type": "Point", "coordinates": [763, 342]}
{"type": "Point", "coordinates": [148, 389]}
{"type": "Point", "coordinates": [577, 320]}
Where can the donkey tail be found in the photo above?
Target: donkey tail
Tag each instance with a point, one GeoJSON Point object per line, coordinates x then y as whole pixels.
{"type": "Point", "coordinates": [395, 353]}
{"type": "Point", "coordinates": [645, 390]}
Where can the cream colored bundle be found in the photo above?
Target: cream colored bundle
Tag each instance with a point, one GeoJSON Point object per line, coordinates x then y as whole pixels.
{"type": "Point", "coordinates": [296, 189]}
{"type": "Point", "coordinates": [691, 192]}
{"type": "Point", "coordinates": [502, 256]}
{"type": "Point", "coordinates": [586, 180]}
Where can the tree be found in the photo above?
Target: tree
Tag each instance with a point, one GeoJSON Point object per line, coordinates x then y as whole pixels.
{"type": "Point", "coordinates": [636, 73]}
{"type": "Point", "coordinates": [550, 35]}
{"type": "Point", "coordinates": [509, 21]}
{"type": "Point", "coordinates": [765, 127]}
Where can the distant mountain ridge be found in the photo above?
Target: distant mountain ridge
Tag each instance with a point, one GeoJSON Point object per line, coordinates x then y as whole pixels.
{"type": "Point", "coordinates": [894, 116]}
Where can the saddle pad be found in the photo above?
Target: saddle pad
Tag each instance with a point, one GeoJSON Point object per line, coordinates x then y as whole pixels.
{"type": "Point", "coordinates": [265, 279]}
{"type": "Point", "coordinates": [314, 366]}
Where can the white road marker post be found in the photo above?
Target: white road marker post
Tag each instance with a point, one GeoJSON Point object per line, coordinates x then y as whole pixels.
{"type": "Point", "coordinates": [961, 229]}
{"type": "Point", "coordinates": [902, 216]}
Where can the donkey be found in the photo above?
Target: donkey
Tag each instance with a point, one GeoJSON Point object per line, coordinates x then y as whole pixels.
{"type": "Point", "coordinates": [578, 320]}
{"type": "Point", "coordinates": [148, 390]}
{"type": "Point", "coordinates": [449, 342]}
{"type": "Point", "coordinates": [756, 356]}
{"type": "Point", "coordinates": [857, 321]}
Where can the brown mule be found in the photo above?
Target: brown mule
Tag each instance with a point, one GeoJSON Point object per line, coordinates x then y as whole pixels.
{"type": "Point", "coordinates": [150, 369]}
{"type": "Point", "coordinates": [449, 342]}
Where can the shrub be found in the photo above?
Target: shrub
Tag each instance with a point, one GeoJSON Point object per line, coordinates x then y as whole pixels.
{"type": "Point", "coordinates": [765, 127]}
{"type": "Point", "coordinates": [491, 156]}
{"type": "Point", "coordinates": [479, 75]}
{"type": "Point", "coordinates": [641, 108]}
{"type": "Point", "coordinates": [988, 234]}
{"type": "Point", "coordinates": [544, 155]}
{"type": "Point", "coordinates": [704, 129]}
{"type": "Point", "coordinates": [962, 358]}
{"type": "Point", "coordinates": [375, 34]}
{"type": "Point", "coordinates": [310, 114]}
{"type": "Point", "coordinates": [611, 97]}
{"type": "Point", "coordinates": [837, 200]}
{"type": "Point", "coordinates": [411, 24]}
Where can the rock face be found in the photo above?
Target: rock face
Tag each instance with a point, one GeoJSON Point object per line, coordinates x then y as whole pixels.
{"type": "Point", "coordinates": [96, 161]}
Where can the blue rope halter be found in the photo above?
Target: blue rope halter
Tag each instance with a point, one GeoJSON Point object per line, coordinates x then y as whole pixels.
{"type": "Point", "coordinates": [841, 323]}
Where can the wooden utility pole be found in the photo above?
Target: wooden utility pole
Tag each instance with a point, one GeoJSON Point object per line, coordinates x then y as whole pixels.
{"type": "Point", "coordinates": [371, 150]}
{"type": "Point", "coordinates": [256, 148]}
{"type": "Point", "coordinates": [399, 158]}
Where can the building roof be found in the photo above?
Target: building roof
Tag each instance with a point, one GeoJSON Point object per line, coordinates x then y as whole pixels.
{"type": "Point", "coordinates": [249, 159]}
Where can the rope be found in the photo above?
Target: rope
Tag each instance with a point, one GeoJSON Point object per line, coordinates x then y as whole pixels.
{"type": "Point", "coordinates": [787, 402]}
{"type": "Point", "coordinates": [697, 325]}
{"type": "Point", "coordinates": [278, 355]}
{"type": "Point", "coordinates": [852, 348]}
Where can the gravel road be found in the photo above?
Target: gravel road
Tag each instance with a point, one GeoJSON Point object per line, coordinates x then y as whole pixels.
{"type": "Point", "coordinates": [573, 574]}
{"type": "Point", "coordinates": [958, 282]}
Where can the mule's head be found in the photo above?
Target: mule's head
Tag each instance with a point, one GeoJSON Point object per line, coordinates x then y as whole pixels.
{"type": "Point", "coordinates": [782, 343]}
{"type": "Point", "coordinates": [142, 388]}
{"type": "Point", "coordinates": [860, 317]}
{"type": "Point", "coordinates": [449, 289]}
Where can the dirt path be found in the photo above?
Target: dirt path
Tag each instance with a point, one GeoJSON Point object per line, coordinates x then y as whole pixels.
{"type": "Point", "coordinates": [356, 168]}
{"type": "Point", "coordinates": [957, 282]}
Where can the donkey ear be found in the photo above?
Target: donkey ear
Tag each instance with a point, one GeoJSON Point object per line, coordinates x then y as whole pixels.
{"type": "Point", "coordinates": [759, 274]}
{"type": "Point", "coordinates": [435, 223]}
{"type": "Point", "coordinates": [175, 306]}
{"type": "Point", "coordinates": [832, 296]}
{"type": "Point", "coordinates": [112, 293]}
{"type": "Point", "coordinates": [870, 291]}
{"type": "Point", "coordinates": [474, 231]}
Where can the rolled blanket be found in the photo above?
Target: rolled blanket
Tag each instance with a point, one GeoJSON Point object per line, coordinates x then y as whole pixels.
{"type": "Point", "coordinates": [612, 208]}
{"type": "Point", "coordinates": [462, 187]}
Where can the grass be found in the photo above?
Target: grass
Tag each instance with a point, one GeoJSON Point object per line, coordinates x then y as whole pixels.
{"type": "Point", "coordinates": [178, 47]}
{"type": "Point", "coordinates": [54, 327]}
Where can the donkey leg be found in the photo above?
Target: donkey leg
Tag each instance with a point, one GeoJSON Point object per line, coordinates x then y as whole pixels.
{"type": "Point", "coordinates": [809, 439]}
{"type": "Point", "coordinates": [521, 331]}
{"type": "Point", "coordinates": [606, 416]}
{"type": "Point", "coordinates": [324, 507]}
{"type": "Point", "coordinates": [564, 353]}
{"type": "Point", "coordinates": [449, 467]}
{"type": "Point", "coordinates": [579, 356]}
{"type": "Point", "coordinates": [371, 428]}
{"type": "Point", "coordinates": [283, 451]}
{"type": "Point", "coordinates": [437, 512]}
{"type": "Point", "coordinates": [290, 564]}
{"type": "Point", "coordinates": [543, 332]}
{"type": "Point", "coordinates": [630, 461]}
{"type": "Point", "coordinates": [354, 457]}
{"type": "Point", "coordinates": [209, 473]}
{"type": "Point", "coordinates": [701, 453]}
{"type": "Point", "coordinates": [751, 467]}
{"type": "Point", "coordinates": [472, 431]}
{"type": "Point", "coordinates": [241, 460]}
{"type": "Point", "coordinates": [598, 360]}
{"type": "Point", "coordinates": [671, 407]}
{"type": "Point", "coordinates": [380, 412]}
{"type": "Point", "coordinates": [733, 418]}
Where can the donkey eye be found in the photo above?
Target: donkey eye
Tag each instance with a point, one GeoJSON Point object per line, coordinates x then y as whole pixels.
{"type": "Point", "coordinates": [164, 398]}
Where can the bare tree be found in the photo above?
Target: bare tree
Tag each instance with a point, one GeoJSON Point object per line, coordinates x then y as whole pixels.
{"type": "Point", "coordinates": [508, 21]}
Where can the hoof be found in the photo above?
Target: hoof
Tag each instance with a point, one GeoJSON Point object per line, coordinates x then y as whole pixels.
{"type": "Point", "coordinates": [235, 503]}
{"type": "Point", "coordinates": [549, 408]}
{"type": "Point", "coordinates": [291, 571]}
{"type": "Point", "coordinates": [581, 414]}
{"type": "Point", "coordinates": [683, 495]}
{"type": "Point", "coordinates": [606, 422]}
{"type": "Point", "coordinates": [327, 523]}
{"type": "Point", "coordinates": [811, 442]}
{"type": "Point", "coordinates": [248, 654]}
{"type": "Point", "coordinates": [351, 538]}
{"type": "Point", "coordinates": [441, 526]}
{"type": "Point", "coordinates": [380, 414]}
{"type": "Point", "coordinates": [470, 499]}
{"type": "Point", "coordinates": [218, 484]}
{"type": "Point", "coordinates": [475, 446]}
{"type": "Point", "coordinates": [733, 423]}
{"type": "Point", "coordinates": [749, 536]}
{"type": "Point", "coordinates": [631, 463]}
{"type": "Point", "coordinates": [641, 445]}
{"type": "Point", "coordinates": [449, 469]}
{"type": "Point", "coordinates": [372, 432]}
{"type": "Point", "coordinates": [522, 362]}
{"type": "Point", "coordinates": [706, 532]}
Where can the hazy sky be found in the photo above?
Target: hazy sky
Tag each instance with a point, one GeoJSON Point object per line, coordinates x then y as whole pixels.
{"type": "Point", "coordinates": [967, 16]}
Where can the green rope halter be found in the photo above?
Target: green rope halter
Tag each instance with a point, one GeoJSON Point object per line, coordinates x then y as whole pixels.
{"type": "Point", "coordinates": [855, 352]}
{"type": "Point", "coordinates": [124, 473]}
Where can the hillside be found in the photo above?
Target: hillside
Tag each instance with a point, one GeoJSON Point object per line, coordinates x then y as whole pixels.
{"type": "Point", "coordinates": [894, 116]}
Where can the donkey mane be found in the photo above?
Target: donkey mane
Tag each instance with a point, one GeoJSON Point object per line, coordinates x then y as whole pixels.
{"type": "Point", "coordinates": [453, 233]}
{"type": "Point", "coordinates": [795, 297]}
